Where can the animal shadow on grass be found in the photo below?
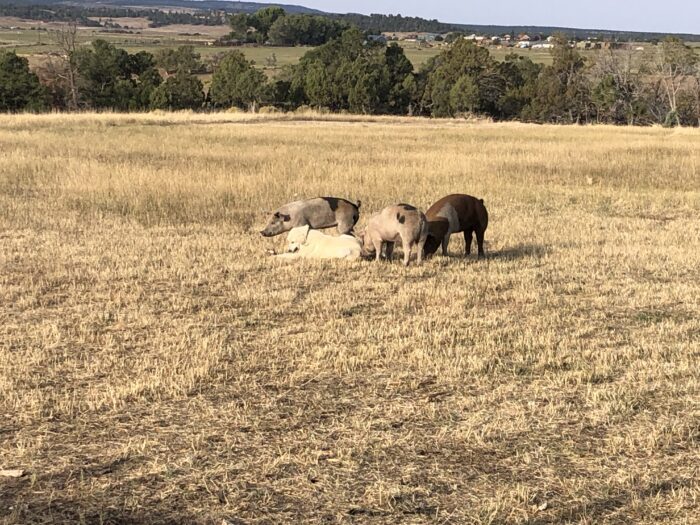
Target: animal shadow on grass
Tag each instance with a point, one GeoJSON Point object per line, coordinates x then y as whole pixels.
{"type": "Point", "coordinates": [512, 253]}
{"type": "Point", "coordinates": [520, 251]}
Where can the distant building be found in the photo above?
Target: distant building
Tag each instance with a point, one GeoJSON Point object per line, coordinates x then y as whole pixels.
{"type": "Point", "coordinates": [477, 38]}
{"type": "Point", "coordinates": [428, 37]}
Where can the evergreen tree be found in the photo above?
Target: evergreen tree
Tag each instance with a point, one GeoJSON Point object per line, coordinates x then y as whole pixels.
{"type": "Point", "coordinates": [465, 64]}
{"type": "Point", "coordinates": [184, 59]}
{"type": "Point", "coordinates": [263, 20]}
{"type": "Point", "coordinates": [20, 89]}
{"type": "Point", "coordinates": [236, 82]}
{"type": "Point", "coordinates": [348, 73]}
{"type": "Point", "coordinates": [562, 93]}
{"type": "Point", "coordinates": [112, 78]}
{"type": "Point", "coordinates": [180, 91]}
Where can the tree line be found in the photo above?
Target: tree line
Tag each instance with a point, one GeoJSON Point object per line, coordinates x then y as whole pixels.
{"type": "Point", "coordinates": [274, 26]}
{"type": "Point", "coordinates": [378, 23]}
{"type": "Point", "coordinates": [84, 15]}
{"type": "Point", "coordinates": [350, 73]}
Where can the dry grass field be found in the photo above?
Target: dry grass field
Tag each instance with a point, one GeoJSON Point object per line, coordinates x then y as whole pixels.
{"type": "Point", "coordinates": [156, 366]}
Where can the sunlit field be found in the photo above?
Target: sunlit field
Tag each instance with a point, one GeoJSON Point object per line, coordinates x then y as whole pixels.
{"type": "Point", "coordinates": [37, 45]}
{"type": "Point", "coordinates": [158, 366]}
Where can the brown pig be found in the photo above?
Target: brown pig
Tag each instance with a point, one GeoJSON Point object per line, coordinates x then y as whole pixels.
{"type": "Point", "coordinates": [401, 223]}
{"type": "Point", "coordinates": [454, 214]}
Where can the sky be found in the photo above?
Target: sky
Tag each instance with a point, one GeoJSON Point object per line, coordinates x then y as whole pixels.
{"type": "Point", "coordinates": [664, 16]}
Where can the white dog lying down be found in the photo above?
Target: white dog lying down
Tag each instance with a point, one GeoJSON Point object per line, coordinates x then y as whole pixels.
{"type": "Point", "coordinates": [305, 243]}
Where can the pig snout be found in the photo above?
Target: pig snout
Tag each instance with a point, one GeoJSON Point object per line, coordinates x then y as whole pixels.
{"type": "Point", "coordinates": [270, 230]}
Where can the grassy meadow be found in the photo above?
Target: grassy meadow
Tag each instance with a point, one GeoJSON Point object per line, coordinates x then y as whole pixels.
{"type": "Point", "coordinates": [157, 366]}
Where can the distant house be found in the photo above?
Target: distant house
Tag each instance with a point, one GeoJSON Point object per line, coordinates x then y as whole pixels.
{"type": "Point", "coordinates": [525, 44]}
{"type": "Point", "coordinates": [476, 38]}
{"type": "Point", "coordinates": [428, 37]}
{"type": "Point", "coordinates": [524, 38]}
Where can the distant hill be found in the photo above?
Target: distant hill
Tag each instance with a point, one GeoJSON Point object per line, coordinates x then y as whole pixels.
{"type": "Point", "coordinates": [219, 5]}
{"type": "Point", "coordinates": [374, 23]}
{"type": "Point", "coordinates": [205, 5]}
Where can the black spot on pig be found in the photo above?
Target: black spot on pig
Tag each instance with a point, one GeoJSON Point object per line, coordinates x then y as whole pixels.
{"type": "Point", "coordinates": [408, 207]}
{"type": "Point", "coordinates": [400, 218]}
{"type": "Point", "coordinates": [332, 202]}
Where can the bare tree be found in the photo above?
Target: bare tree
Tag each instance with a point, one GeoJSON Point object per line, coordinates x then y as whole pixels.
{"type": "Point", "coordinates": [696, 91]}
{"type": "Point", "coordinates": [674, 65]}
{"type": "Point", "coordinates": [67, 40]}
{"type": "Point", "coordinates": [623, 71]}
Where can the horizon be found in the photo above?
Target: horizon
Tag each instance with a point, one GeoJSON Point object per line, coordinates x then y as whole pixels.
{"type": "Point", "coordinates": [648, 16]}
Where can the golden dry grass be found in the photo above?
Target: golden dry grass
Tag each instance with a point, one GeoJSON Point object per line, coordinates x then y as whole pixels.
{"type": "Point", "coordinates": [157, 367]}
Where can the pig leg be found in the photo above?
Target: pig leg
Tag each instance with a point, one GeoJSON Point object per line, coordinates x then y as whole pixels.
{"type": "Point", "coordinates": [407, 245]}
{"type": "Point", "coordinates": [445, 242]}
{"type": "Point", "coordinates": [421, 247]}
{"type": "Point", "coordinates": [467, 242]}
{"type": "Point", "coordinates": [480, 242]}
{"type": "Point", "coordinates": [377, 248]}
{"type": "Point", "coordinates": [389, 250]}
{"type": "Point", "coordinates": [407, 253]}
